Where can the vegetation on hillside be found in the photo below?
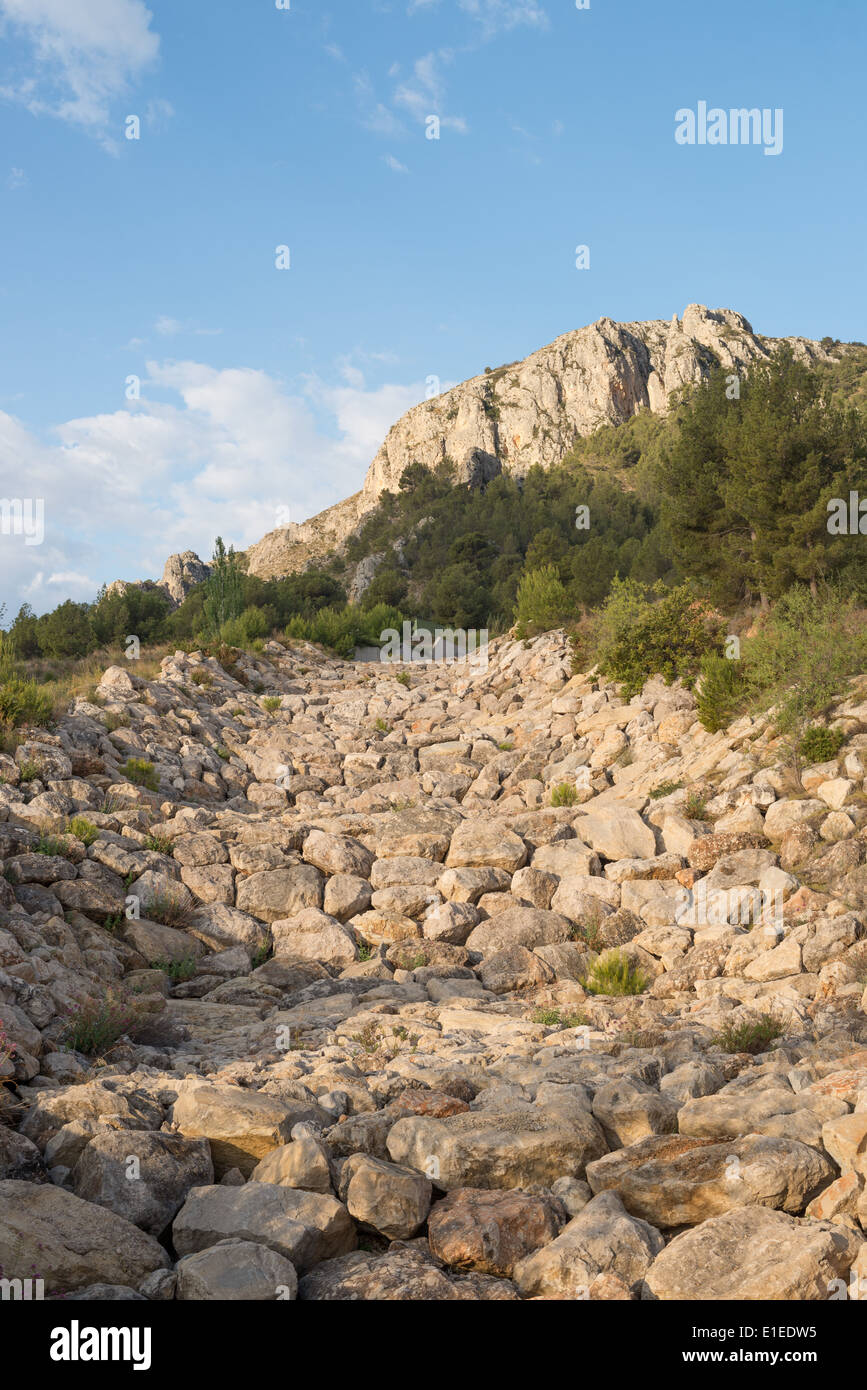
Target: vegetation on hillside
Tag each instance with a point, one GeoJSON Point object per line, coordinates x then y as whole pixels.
{"type": "Point", "coordinates": [651, 542]}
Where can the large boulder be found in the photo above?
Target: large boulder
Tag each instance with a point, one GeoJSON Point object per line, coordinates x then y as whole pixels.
{"type": "Point", "coordinates": [490, 1231]}
{"type": "Point", "coordinates": [675, 1181]}
{"type": "Point", "coordinates": [142, 1177]}
{"type": "Point", "coordinates": [498, 1148]}
{"type": "Point", "coordinates": [47, 1233]}
{"type": "Point", "coordinates": [236, 1271]}
{"type": "Point", "coordinates": [304, 1227]}
{"type": "Point", "coordinates": [279, 893]}
{"type": "Point", "coordinates": [241, 1126]}
{"type": "Point", "coordinates": [602, 1239]}
{"type": "Point", "coordinates": [753, 1254]}
{"type": "Point", "coordinates": [616, 832]}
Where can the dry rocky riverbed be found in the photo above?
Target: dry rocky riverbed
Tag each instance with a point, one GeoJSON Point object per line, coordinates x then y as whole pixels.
{"type": "Point", "coordinates": [373, 1071]}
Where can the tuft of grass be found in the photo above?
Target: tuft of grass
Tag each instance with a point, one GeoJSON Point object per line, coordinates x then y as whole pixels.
{"type": "Point", "coordinates": [142, 773]}
{"type": "Point", "coordinates": [820, 745]}
{"type": "Point", "coordinates": [24, 702]}
{"type": "Point", "coordinates": [752, 1035]}
{"type": "Point", "coordinates": [115, 721]}
{"type": "Point", "coordinates": [382, 727]}
{"type": "Point", "coordinates": [222, 752]}
{"type": "Point", "coordinates": [29, 770]}
{"type": "Point", "coordinates": [694, 806]}
{"type": "Point", "coordinates": [365, 952]}
{"type": "Point", "coordinates": [202, 676]}
{"type": "Point", "coordinates": [171, 909]}
{"type": "Point", "coordinates": [159, 843]}
{"type": "Point", "coordinates": [665, 789]}
{"type": "Point", "coordinates": [54, 845]}
{"type": "Point", "coordinates": [505, 746]}
{"type": "Point", "coordinates": [83, 830]}
{"type": "Point", "coordinates": [96, 1025]}
{"type": "Point", "coordinates": [553, 1018]}
{"type": "Point", "coordinates": [271, 703]}
{"type": "Point", "coordinates": [615, 974]}
{"type": "Point", "coordinates": [178, 971]}
{"type": "Point", "coordinates": [261, 955]}
{"type": "Point", "coordinates": [564, 794]}
{"type": "Point", "coordinates": [402, 678]}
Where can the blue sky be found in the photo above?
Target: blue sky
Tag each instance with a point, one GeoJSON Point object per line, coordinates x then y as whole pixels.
{"type": "Point", "coordinates": [265, 389]}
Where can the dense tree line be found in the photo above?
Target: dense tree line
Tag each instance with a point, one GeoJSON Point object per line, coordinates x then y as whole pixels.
{"type": "Point", "coordinates": [730, 492]}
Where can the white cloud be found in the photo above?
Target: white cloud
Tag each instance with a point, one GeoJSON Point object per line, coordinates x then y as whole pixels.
{"type": "Point", "coordinates": [16, 179]}
{"type": "Point", "coordinates": [124, 490]}
{"type": "Point", "coordinates": [395, 164]}
{"type": "Point", "coordinates": [497, 15]}
{"type": "Point", "coordinates": [85, 55]}
{"type": "Point", "coordinates": [493, 15]}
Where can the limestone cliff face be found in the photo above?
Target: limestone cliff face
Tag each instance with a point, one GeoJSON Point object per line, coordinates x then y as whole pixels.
{"type": "Point", "coordinates": [181, 573]}
{"type": "Point", "coordinates": [531, 412]}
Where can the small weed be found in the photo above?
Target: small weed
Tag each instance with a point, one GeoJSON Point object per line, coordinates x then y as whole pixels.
{"type": "Point", "coordinates": [381, 727]}
{"type": "Point", "coordinates": [202, 676]}
{"type": "Point", "coordinates": [83, 830]}
{"type": "Point", "coordinates": [752, 1036]}
{"type": "Point", "coordinates": [615, 974]}
{"type": "Point", "coordinates": [96, 1025]}
{"type": "Point", "coordinates": [159, 843]}
{"type": "Point", "coordinates": [261, 955]}
{"type": "Point", "coordinates": [665, 789]}
{"type": "Point", "coordinates": [505, 746]}
{"type": "Point", "coordinates": [54, 846]}
{"type": "Point", "coordinates": [402, 678]}
{"type": "Point", "coordinates": [694, 806]}
{"type": "Point", "coordinates": [113, 722]}
{"type": "Point", "coordinates": [170, 909]}
{"type": "Point", "coordinates": [271, 703]}
{"type": "Point", "coordinates": [820, 745]}
{"type": "Point", "coordinates": [222, 752]}
{"type": "Point", "coordinates": [141, 773]}
{"type": "Point", "coordinates": [365, 952]}
{"type": "Point", "coordinates": [553, 1018]}
{"type": "Point", "coordinates": [178, 971]}
{"type": "Point", "coordinates": [368, 1038]}
{"type": "Point", "coordinates": [29, 770]}
{"type": "Point", "coordinates": [564, 794]}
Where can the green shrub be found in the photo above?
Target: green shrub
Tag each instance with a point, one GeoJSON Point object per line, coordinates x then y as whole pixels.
{"type": "Point", "coordinates": [83, 830]}
{"type": "Point", "coordinates": [542, 602]}
{"type": "Point", "coordinates": [159, 843]}
{"type": "Point", "coordinates": [29, 770]}
{"type": "Point", "coordinates": [53, 846]}
{"type": "Point", "coordinates": [564, 794]}
{"type": "Point", "coordinates": [24, 702]}
{"type": "Point", "coordinates": [171, 909]}
{"type": "Point", "coordinates": [553, 1018]}
{"type": "Point", "coordinates": [694, 806]}
{"type": "Point", "coordinates": [752, 1036]}
{"type": "Point", "coordinates": [723, 689]}
{"type": "Point", "coordinates": [638, 637]}
{"type": "Point", "coordinates": [202, 676]}
{"type": "Point", "coordinates": [272, 703]}
{"type": "Point", "coordinates": [96, 1025]}
{"type": "Point", "coordinates": [382, 727]}
{"type": "Point", "coordinates": [250, 627]}
{"type": "Point", "coordinates": [402, 678]}
{"type": "Point", "coordinates": [665, 789]}
{"type": "Point", "coordinates": [615, 973]}
{"type": "Point", "coordinates": [115, 721]}
{"type": "Point", "coordinates": [802, 658]}
{"type": "Point", "coordinates": [178, 971]}
{"type": "Point", "coordinates": [820, 745]}
{"type": "Point", "coordinates": [142, 773]}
